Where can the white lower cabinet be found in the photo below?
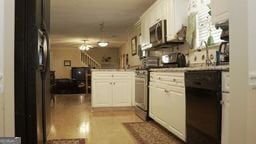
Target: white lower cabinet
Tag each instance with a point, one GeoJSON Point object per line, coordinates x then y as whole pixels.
{"type": "Point", "coordinates": [122, 93]}
{"type": "Point", "coordinates": [167, 102]}
{"type": "Point", "coordinates": [177, 119]}
{"type": "Point", "coordinates": [112, 89]}
{"type": "Point", "coordinates": [157, 107]}
{"type": "Point", "coordinates": [225, 112]}
{"type": "Point", "coordinates": [102, 93]}
{"type": "Point", "coordinates": [225, 107]}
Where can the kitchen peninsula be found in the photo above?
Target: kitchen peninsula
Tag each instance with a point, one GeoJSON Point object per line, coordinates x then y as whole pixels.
{"type": "Point", "coordinates": [112, 88]}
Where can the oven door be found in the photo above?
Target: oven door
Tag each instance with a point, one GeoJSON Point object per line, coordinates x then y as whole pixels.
{"type": "Point", "coordinates": [141, 99]}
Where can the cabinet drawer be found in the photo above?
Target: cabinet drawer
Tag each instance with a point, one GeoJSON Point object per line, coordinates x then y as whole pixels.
{"type": "Point", "coordinates": [122, 75]}
{"type": "Point", "coordinates": [168, 88]}
{"type": "Point", "coordinates": [111, 75]}
{"type": "Point", "coordinates": [101, 76]}
{"type": "Point", "coordinates": [172, 79]}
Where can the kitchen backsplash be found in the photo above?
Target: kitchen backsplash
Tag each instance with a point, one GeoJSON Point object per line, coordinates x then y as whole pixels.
{"type": "Point", "coordinates": [193, 56]}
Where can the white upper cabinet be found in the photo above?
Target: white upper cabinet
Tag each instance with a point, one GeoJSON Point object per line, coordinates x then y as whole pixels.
{"type": "Point", "coordinates": [145, 30]}
{"type": "Point", "coordinates": [220, 12]}
{"type": "Point", "coordinates": [176, 16]}
{"type": "Point", "coordinates": [174, 11]}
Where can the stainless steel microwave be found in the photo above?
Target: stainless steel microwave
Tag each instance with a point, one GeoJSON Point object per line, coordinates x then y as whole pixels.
{"type": "Point", "coordinates": [158, 33]}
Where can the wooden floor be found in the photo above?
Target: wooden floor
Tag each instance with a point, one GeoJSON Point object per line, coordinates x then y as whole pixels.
{"type": "Point", "coordinates": [72, 117]}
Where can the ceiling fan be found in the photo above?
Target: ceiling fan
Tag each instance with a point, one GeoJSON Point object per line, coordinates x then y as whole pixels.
{"type": "Point", "coordinates": [85, 46]}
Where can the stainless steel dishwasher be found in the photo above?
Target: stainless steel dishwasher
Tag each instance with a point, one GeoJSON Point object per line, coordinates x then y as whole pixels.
{"type": "Point", "coordinates": [203, 107]}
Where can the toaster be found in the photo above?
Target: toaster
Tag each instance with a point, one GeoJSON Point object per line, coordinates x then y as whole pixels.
{"type": "Point", "coordinates": [150, 62]}
{"type": "Point", "coordinates": [174, 59]}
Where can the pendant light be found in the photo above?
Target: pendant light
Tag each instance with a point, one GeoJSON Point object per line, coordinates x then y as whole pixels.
{"type": "Point", "coordinates": [102, 43]}
{"type": "Point", "coordinates": [84, 46]}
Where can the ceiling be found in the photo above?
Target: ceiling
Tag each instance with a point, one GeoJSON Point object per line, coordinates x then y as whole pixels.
{"type": "Point", "coordinates": [72, 21]}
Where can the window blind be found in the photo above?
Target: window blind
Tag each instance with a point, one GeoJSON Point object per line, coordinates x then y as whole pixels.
{"type": "Point", "coordinates": [205, 28]}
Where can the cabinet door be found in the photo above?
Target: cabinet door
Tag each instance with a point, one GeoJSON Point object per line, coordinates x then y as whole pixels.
{"type": "Point", "coordinates": [122, 93]}
{"type": "Point", "coordinates": [145, 30]}
{"type": "Point", "coordinates": [219, 10]}
{"type": "Point", "coordinates": [177, 119]}
{"type": "Point", "coordinates": [157, 105]}
{"type": "Point", "coordinates": [176, 13]}
{"type": "Point", "coordinates": [156, 13]}
{"type": "Point", "coordinates": [102, 93]}
{"type": "Point", "coordinates": [225, 112]}
{"type": "Point", "coordinates": [169, 10]}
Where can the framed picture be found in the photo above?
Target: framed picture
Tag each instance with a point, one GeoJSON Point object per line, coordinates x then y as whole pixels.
{"type": "Point", "coordinates": [127, 59]}
{"type": "Point", "coordinates": [67, 62]}
{"type": "Point", "coordinates": [134, 45]}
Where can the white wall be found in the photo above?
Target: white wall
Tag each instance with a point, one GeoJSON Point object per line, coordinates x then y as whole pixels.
{"type": "Point", "coordinates": [7, 59]}
{"type": "Point", "coordinates": [243, 98]}
{"type": "Point", "coordinates": [1, 65]}
{"type": "Point", "coordinates": [251, 126]}
{"type": "Point", "coordinates": [252, 34]}
{"type": "Point", "coordinates": [238, 72]}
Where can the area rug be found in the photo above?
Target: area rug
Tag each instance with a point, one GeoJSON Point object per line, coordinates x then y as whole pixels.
{"type": "Point", "coordinates": [151, 133]}
{"type": "Point", "coordinates": [66, 141]}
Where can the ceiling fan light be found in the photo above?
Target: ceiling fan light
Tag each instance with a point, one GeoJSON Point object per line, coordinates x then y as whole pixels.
{"type": "Point", "coordinates": [88, 47]}
{"type": "Point", "coordinates": [82, 47]}
{"type": "Point", "coordinates": [103, 44]}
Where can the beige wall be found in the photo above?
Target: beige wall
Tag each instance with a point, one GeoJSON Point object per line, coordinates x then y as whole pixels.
{"type": "Point", "coordinates": [243, 98]}
{"type": "Point", "coordinates": [98, 53]}
{"type": "Point", "coordinates": [7, 67]}
{"type": "Point", "coordinates": [126, 48]}
{"type": "Point", "coordinates": [251, 109]}
{"type": "Point", "coordinates": [58, 55]}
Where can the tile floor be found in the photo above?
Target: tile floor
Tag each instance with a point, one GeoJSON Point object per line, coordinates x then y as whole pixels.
{"type": "Point", "coordinates": [72, 117]}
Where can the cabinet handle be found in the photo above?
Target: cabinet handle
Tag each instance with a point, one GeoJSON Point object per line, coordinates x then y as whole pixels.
{"type": "Point", "coordinates": [110, 83]}
{"type": "Point", "coordinates": [114, 83]}
{"type": "Point", "coordinates": [174, 80]}
{"type": "Point", "coordinates": [166, 91]}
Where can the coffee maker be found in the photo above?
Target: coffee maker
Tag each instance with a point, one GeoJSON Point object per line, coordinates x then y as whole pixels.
{"type": "Point", "coordinates": [224, 46]}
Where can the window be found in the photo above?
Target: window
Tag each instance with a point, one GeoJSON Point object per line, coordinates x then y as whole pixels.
{"type": "Point", "coordinates": [204, 26]}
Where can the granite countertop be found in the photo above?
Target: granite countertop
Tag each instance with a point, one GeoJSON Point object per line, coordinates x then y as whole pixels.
{"type": "Point", "coordinates": [112, 70]}
{"type": "Point", "coordinates": [221, 67]}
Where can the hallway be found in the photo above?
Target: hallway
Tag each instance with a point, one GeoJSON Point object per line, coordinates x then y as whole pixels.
{"type": "Point", "coordinates": [72, 117]}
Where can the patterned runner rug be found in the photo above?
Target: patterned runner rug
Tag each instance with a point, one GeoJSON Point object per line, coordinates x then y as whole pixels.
{"type": "Point", "coordinates": [66, 141]}
{"type": "Point", "coordinates": [151, 133]}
